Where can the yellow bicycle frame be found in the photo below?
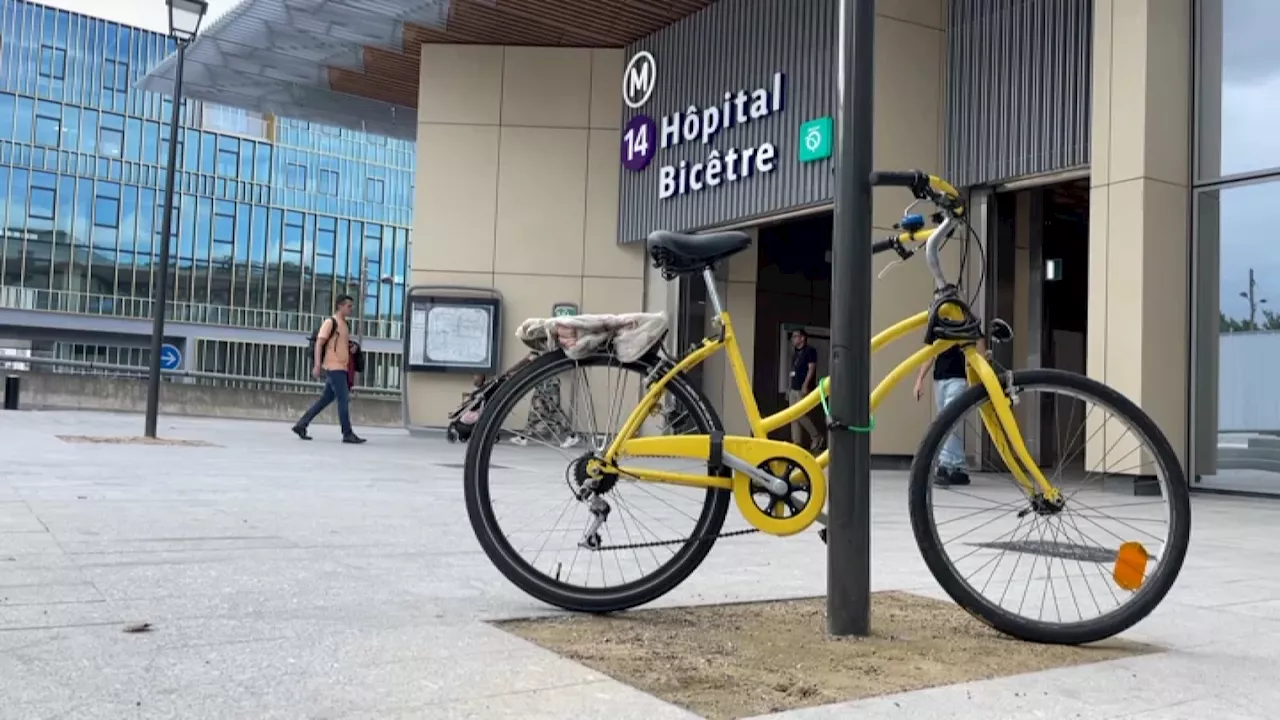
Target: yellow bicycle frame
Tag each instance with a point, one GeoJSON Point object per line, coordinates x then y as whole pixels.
{"type": "Point", "coordinates": [997, 414]}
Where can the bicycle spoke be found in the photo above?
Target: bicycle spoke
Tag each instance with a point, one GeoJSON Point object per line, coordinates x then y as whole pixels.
{"type": "Point", "coordinates": [991, 516]}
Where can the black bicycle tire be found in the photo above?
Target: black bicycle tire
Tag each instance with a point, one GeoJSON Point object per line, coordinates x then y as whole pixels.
{"type": "Point", "coordinates": [549, 590]}
{"type": "Point", "coordinates": [1096, 629]}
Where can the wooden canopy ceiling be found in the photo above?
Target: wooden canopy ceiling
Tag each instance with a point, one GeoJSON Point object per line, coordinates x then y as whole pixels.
{"type": "Point", "coordinates": [392, 76]}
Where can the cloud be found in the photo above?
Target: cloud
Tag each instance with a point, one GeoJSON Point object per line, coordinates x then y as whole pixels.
{"type": "Point", "coordinates": [147, 14]}
{"type": "Point", "coordinates": [1250, 141]}
{"type": "Point", "coordinates": [1249, 33]}
{"type": "Point", "coordinates": [1251, 124]}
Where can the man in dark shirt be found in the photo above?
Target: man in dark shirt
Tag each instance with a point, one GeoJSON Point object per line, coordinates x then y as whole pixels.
{"type": "Point", "coordinates": [804, 373]}
{"type": "Point", "coordinates": [948, 383]}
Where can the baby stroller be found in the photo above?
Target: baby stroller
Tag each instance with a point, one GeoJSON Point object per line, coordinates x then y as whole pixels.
{"type": "Point", "coordinates": [463, 419]}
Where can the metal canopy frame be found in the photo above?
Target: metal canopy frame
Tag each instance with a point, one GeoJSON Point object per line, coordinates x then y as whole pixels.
{"type": "Point", "coordinates": [356, 63]}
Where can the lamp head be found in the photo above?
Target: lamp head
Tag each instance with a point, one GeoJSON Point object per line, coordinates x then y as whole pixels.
{"type": "Point", "coordinates": [185, 17]}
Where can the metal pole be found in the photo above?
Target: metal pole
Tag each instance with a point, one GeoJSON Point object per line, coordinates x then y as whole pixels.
{"type": "Point", "coordinates": [162, 273]}
{"type": "Point", "coordinates": [364, 271]}
{"type": "Point", "coordinates": [849, 517]}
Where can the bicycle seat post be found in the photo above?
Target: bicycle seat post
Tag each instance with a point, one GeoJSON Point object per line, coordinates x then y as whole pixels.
{"type": "Point", "coordinates": [713, 296]}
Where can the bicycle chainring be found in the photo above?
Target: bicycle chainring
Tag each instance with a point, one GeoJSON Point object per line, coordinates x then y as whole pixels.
{"type": "Point", "coordinates": [778, 512]}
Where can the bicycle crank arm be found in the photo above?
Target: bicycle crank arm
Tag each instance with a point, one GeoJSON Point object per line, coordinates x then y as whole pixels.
{"type": "Point", "coordinates": [759, 478]}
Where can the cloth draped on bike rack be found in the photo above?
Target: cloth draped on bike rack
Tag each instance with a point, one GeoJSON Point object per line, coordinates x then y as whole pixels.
{"type": "Point", "coordinates": [631, 334]}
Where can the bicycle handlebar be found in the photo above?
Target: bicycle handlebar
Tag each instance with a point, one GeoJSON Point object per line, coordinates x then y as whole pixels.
{"type": "Point", "coordinates": [880, 246]}
{"type": "Point", "coordinates": [891, 178]}
{"type": "Point", "coordinates": [943, 195]}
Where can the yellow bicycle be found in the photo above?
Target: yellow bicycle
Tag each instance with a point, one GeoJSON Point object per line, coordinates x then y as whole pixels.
{"type": "Point", "coordinates": [1067, 578]}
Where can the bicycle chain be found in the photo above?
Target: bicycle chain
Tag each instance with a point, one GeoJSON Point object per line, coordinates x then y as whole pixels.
{"type": "Point", "coordinates": [659, 543]}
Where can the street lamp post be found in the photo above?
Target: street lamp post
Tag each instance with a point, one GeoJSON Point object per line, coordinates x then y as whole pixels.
{"type": "Point", "coordinates": [849, 496]}
{"type": "Point", "coordinates": [388, 280]}
{"type": "Point", "coordinates": [185, 17]}
{"type": "Point", "coordinates": [364, 295]}
{"type": "Point", "coordinates": [1254, 301]}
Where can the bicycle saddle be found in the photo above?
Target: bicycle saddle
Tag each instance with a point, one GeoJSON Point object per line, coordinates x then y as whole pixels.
{"type": "Point", "coordinates": [678, 253]}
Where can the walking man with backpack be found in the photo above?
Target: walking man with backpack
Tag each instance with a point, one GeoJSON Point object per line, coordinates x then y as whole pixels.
{"type": "Point", "coordinates": [332, 362]}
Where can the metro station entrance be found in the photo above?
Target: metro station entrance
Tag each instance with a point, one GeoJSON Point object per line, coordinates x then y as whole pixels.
{"type": "Point", "coordinates": [1038, 266]}
{"type": "Point", "coordinates": [793, 291]}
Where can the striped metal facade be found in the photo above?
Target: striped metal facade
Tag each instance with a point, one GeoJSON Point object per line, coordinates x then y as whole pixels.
{"type": "Point", "coordinates": [730, 46]}
{"type": "Point", "coordinates": [1019, 79]}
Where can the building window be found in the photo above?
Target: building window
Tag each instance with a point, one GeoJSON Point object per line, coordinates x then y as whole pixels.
{"type": "Point", "coordinates": [1239, 78]}
{"type": "Point", "coordinates": [329, 182]}
{"type": "Point", "coordinates": [44, 195]}
{"type": "Point", "coordinates": [228, 157]}
{"type": "Point", "coordinates": [296, 176]}
{"type": "Point", "coordinates": [224, 222]}
{"type": "Point", "coordinates": [48, 125]}
{"type": "Point", "coordinates": [53, 62]}
{"type": "Point", "coordinates": [375, 190]}
{"type": "Point", "coordinates": [293, 227]}
{"type": "Point", "coordinates": [115, 75]}
{"type": "Point", "coordinates": [106, 206]}
{"type": "Point", "coordinates": [1237, 175]}
{"type": "Point", "coordinates": [111, 135]}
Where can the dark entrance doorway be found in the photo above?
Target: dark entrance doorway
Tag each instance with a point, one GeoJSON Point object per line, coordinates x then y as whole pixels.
{"type": "Point", "coordinates": [793, 290]}
{"type": "Point", "coordinates": [1039, 267]}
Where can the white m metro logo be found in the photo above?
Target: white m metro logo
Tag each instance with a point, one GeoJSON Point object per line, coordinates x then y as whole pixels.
{"type": "Point", "coordinates": [639, 79]}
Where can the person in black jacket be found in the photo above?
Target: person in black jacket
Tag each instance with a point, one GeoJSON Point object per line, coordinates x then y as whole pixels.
{"type": "Point", "coordinates": [804, 373]}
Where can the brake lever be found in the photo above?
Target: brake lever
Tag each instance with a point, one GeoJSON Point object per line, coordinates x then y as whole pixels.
{"type": "Point", "coordinates": [893, 263]}
{"type": "Point", "coordinates": [904, 254]}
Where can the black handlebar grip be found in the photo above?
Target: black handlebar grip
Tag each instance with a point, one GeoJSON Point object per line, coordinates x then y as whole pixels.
{"type": "Point", "coordinates": [891, 178]}
{"type": "Point", "coordinates": [880, 246]}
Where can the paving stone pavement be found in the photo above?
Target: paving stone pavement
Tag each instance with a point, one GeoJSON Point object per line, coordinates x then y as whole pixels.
{"type": "Point", "coordinates": [316, 580]}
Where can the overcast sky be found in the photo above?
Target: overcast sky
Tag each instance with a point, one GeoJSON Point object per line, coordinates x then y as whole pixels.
{"type": "Point", "coordinates": [1250, 142]}
{"type": "Point", "coordinates": [149, 14]}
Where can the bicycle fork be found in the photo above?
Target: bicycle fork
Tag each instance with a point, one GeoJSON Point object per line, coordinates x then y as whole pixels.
{"type": "Point", "coordinates": [1002, 427]}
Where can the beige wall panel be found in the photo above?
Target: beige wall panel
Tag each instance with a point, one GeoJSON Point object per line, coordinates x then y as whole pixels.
{"type": "Point", "coordinates": [455, 197]}
{"type": "Point", "coordinates": [607, 65]}
{"type": "Point", "coordinates": [930, 13]}
{"type": "Point", "coordinates": [542, 185]}
{"type": "Point", "coordinates": [1138, 281]}
{"type": "Point", "coordinates": [460, 84]}
{"type": "Point", "coordinates": [603, 256]}
{"type": "Point", "coordinates": [908, 109]}
{"type": "Point", "coordinates": [546, 87]}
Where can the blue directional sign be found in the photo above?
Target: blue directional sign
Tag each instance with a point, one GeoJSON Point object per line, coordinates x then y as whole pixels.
{"type": "Point", "coordinates": [170, 357]}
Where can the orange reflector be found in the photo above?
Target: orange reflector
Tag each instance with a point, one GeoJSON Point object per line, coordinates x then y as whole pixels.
{"type": "Point", "coordinates": [1131, 566]}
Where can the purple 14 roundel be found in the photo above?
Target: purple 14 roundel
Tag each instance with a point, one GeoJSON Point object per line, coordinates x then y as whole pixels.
{"type": "Point", "coordinates": [639, 140]}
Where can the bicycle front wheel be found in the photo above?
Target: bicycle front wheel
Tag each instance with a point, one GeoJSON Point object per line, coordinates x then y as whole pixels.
{"type": "Point", "coordinates": [1070, 573]}
{"type": "Point", "coordinates": [581, 543]}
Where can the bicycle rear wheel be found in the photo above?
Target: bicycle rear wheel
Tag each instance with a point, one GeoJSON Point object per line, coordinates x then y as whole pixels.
{"type": "Point", "coordinates": [1067, 575]}
{"type": "Point", "coordinates": [560, 413]}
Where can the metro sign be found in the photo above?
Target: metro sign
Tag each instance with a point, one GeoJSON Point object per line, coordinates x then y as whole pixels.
{"type": "Point", "coordinates": [639, 79]}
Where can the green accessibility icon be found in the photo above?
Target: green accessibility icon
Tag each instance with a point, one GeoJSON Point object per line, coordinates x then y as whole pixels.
{"type": "Point", "coordinates": [815, 140]}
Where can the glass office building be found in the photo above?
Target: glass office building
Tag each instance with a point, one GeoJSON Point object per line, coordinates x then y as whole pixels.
{"type": "Point", "coordinates": [274, 218]}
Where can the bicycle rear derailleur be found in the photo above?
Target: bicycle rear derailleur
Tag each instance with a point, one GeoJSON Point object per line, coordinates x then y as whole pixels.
{"type": "Point", "coordinates": [590, 481]}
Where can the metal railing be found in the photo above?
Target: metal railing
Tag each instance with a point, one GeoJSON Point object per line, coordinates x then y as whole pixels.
{"type": "Point", "coordinates": [82, 303]}
{"type": "Point", "coordinates": [14, 364]}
